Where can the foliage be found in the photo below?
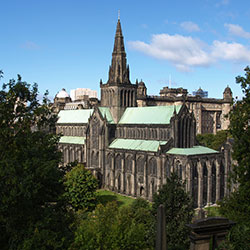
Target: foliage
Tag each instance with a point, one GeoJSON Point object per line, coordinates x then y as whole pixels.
{"type": "Point", "coordinates": [109, 227]}
{"type": "Point", "coordinates": [212, 211]}
{"type": "Point", "coordinates": [80, 188]}
{"type": "Point", "coordinates": [178, 210]}
{"type": "Point", "coordinates": [105, 196]}
{"type": "Point", "coordinates": [237, 239]}
{"type": "Point", "coordinates": [31, 183]}
{"type": "Point", "coordinates": [237, 206]}
{"type": "Point", "coordinates": [213, 141]}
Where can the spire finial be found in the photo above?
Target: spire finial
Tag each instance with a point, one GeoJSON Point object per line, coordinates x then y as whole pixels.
{"type": "Point", "coordinates": [119, 15]}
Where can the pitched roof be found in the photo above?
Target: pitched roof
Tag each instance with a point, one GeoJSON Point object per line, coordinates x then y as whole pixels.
{"type": "Point", "coordinates": [140, 145]}
{"type": "Point", "coordinates": [105, 111]}
{"type": "Point", "coordinates": [74, 116]}
{"type": "Point", "coordinates": [72, 140]}
{"type": "Point", "coordinates": [196, 150]}
{"type": "Point", "coordinates": [149, 115]}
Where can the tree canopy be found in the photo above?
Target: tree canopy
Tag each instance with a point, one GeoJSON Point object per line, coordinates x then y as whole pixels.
{"type": "Point", "coordinates": [237, 206]}
{"type": "Point", "coordinates": [109, 227]}
{"type": "Point", "coordinates": [178, 211]}
{"type": "Point", "coordinates": [213, 141]}
{"type": "Point", "coordinates": [31, 185]}
{"type": "Point", "coordinates": [80, 188]}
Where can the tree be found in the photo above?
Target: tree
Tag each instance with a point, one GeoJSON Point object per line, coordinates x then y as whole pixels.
{"type": "Point", "coordinates": [237, 206]}
{"type": "Point", "coordinates": [109, 227]}
{"type": "Point", "coordinates": [31, 185]}
{"type": "Point", "coordinates": [178, 210]}
{"type": "Point", "coordinates": [213, 141]}
{"type": "Point", "coordinates": [80, 188]}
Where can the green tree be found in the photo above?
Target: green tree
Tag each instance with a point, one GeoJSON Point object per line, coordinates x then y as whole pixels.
{"type": "Point", "coordinates": [178, 210]}
{"type": "Point", "coordinates": [213, 141]}
{"type": "Point", "coordinates": [80, 188]}
{"type": "Point", "coordinates": [31, 183]}
{"type": "Point", "coordinates": [237, 206]}
{"type": "Point", "coordinates": [109, 227]}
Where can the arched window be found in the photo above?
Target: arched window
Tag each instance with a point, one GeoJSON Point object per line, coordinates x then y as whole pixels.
{"type": "Point", "coordinates": [118, 162]}
{"type": "Point", "coordinates": [222, 180]}
{"type": "Point", "coordinates": [167, 169]}
{"type": "Point", "coordinates": [178, 169]}
{"type": "Point", "coordinates": [205, 178]}
{"type": "Point", "coordinates": [128, 164]}
{"type": "Point", "coordinates": [140, 165]}
{"type": "Point", "coordinates": [213, 183]}
{"type": "Point", "coordinates": [109, 161]}
{"type": "Point", "coordinates": [121, 98]}
{"type": "Point", "coordinates": [195, 185]}
{"type": "Point", "coordinates": [152, 167]}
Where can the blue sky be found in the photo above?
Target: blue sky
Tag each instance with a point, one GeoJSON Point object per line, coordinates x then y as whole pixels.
{"type": "Point", "coordinates": [68, 44]}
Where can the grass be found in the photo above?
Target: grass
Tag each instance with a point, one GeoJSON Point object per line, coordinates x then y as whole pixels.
{"type": "Point", "coordinates": [105, 196]}
{"type": "Point", "coordinates": [213, 212]}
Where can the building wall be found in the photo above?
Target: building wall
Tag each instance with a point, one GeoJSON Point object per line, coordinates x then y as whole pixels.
{"type": "Point", "coordinates": [210, 113]}
{"type": "Point", "coordinates": [140, 174]}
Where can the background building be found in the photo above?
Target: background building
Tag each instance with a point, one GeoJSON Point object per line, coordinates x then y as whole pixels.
{"type": "Point", "coordinates": [210, 113]}
{"type": "Point", "coordinates": [81, 94]}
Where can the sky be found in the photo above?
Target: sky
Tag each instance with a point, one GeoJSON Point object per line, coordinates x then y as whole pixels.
{"type": "Point", "coordinates": [68, 43]}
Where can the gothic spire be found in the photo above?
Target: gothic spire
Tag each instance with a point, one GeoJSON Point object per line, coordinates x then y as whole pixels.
{"type": "Point", "coordinates": [119, 72]}
{"type": "Point", "coordinates": [119, 44]}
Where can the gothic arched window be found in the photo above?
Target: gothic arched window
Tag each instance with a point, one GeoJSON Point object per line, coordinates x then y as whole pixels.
{"type": "Point", "coordinates": [153, 167]}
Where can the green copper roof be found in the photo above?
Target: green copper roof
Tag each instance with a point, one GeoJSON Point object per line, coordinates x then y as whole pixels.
{"type": "Point", "coordinates": [106, 112]}
{"type": "Point", "coordinates": [140, 145]}
{"type": "Point", "coordinates": [72, 139]}
{"type": "Point", "coordinates": [74, 116]}
{"type": "Point", "coordinates": [196, 150]}
{"type": "Point", "coordinates": [149, 115]}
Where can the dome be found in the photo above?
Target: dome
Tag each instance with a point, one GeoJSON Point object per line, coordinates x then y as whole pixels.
{"type": "Point", "coordinates": [141, 83]}
{"type": "Point", "coordinates": [62, 94]}
{"type": "Point", "coordinates": [227, 90]}
{"type": "Point", "coordinates": [200, 90]}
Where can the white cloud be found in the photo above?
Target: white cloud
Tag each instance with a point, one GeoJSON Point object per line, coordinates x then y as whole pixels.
{"type": "Point", "coordinates": [237, 30]}
{"type": "Point", "coordinates": [235, 52]}
{"type": "Point", "coordinates": [183, 52]}
{"type": "Point", "coordinates": [186, 53]}
{"type": "Point", "coordinates": [190, 26]}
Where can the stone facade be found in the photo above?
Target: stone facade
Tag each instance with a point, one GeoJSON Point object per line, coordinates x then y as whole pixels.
{"type": "Point", "coordinates": [133, 142]}
{"type": "Point", "coordinates": [210, 113]}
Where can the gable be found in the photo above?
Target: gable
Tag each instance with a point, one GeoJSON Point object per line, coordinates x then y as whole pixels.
{"type": "Point", "coordinates": [149, 115]}
{"type": "Point", "coordinates": [105, 112]}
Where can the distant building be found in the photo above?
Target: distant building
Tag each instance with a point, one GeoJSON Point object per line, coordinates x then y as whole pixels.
{"type": "Point", "coordinates": [200, 92]}
{"type": "Point", "coordinates": [80, 99]}
{"type": "Point", "coordinates": [132, 142]}
{"type": "Point", "coordinates": [210, 113]}
{"type": "Point", "coordinates": [60, 100]}
{"type": "Point", "coordinates": [81, 94]}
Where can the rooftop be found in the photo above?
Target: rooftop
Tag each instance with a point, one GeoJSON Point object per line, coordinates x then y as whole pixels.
{"type": "Point", "coordinates": [74, 116]}
{"type": "Point", "coordinates": [196, 150]}
{"type": "Point", "coordinates": [149, 115]}
{"type": "Point", "coordinates": [140, 145]}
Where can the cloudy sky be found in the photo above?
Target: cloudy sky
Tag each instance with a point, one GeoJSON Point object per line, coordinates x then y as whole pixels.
{"type": "Point", "coordinates": [68, 44]}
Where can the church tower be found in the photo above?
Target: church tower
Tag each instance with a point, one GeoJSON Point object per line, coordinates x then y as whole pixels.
{"type": "Point", "coordinates": [118, 93]}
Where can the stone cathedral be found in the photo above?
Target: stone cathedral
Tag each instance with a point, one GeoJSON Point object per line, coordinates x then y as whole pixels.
{"type": "Point", "coordinates": [132, 150]}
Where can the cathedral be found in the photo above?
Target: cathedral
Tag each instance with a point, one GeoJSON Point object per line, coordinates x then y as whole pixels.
{"type": "Point", "coordinates": [132, 146]}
